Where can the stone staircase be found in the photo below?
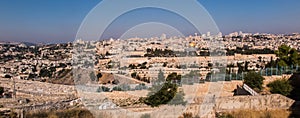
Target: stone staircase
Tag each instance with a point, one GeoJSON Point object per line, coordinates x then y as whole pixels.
{"type": "Point", "coordinates": [250, 90]}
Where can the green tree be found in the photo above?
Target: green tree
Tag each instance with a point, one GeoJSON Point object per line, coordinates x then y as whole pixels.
{"type": "Point", "coordinates": [208, 77]}
{"type": "Point", "coordinates": [273, 63]}
{"type": "Point", "coordinates": [246, 66]}
{"type": "Point", "coordinates": [133, 75]}
{"type": "Point", "coordinates": [293, 57]}
{"type": "Point", "coordinates": [173, 77]}
{"type": "Point", "coordinates": [282, 87]}
{"type": "Point", "coordinates": [287, 56]}
{"type": "Point", "coordinates": [254, 80]}
{"type": "Point", "coordinates": [210, 65]}
{"type": "Point", "coordinates": [163, 96]}
{"type": "Point", "coordinates": [45, 73]}
{"type": "Point", "coordinates": [99, 75]}
{"type": "Point", "coordinates": [132, 66]}
{"type": "Point", "coordinates": [259, 59]}
{"type": "Point", "coordinates": [283, 52]}
{"type": "Point", "coordinates": [240, 68]}
{"type": "Point", "coordinates": [165, 64]}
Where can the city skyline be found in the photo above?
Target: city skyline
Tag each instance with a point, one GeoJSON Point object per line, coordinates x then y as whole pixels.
{"type": "Point", "coordinates": [58, 21]}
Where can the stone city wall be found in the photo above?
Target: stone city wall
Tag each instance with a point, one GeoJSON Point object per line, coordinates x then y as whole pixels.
{"type": "Point", "coordinates": [267, 102]}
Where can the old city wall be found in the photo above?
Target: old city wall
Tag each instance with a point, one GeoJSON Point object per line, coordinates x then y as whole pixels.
{"type": "Point", "coordinates": [267, 102]}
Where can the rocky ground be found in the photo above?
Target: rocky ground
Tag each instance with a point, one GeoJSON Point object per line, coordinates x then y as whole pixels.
{"type": "Point", "coordinates": [33, 95]}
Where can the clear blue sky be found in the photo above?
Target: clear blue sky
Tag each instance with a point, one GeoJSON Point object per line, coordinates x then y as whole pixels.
{"type": "Point", "coordinates": [52, 21]}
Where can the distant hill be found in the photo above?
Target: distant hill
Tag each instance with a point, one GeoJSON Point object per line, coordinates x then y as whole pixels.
{"type": "Point", "coordinates": [29, 44]}
{"type": "Point", "coordinates": [18, 43]}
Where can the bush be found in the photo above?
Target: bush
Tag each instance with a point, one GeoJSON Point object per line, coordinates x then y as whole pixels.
{"type": "Point", "coordinates": [45, 73]}
{"type": "Point", "coordinates": [103, 89]}
{"type": "Point", "coordinates": [282, 87]}
{"type": "Point", "coordinates": [133, 75]}
{"type": "Point", "coordinates": [99, 75]}
{"type": "Point", "coordinates": [140, 87]}
{"type": "Point", "coordinates": [7, 76]}
{"type": "Point", "coordinates": [254, 80]}
{"type": "Point", "coordinates": [123, 87]}
{"type": "Point", "coordinates": [117, 88]}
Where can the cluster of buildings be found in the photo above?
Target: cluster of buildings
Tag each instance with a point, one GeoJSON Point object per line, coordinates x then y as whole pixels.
{"type": "Point", "coordinates": [132, 55]}
{"type": "Point", "coordinates": [34, 62]}
{"type": "Point", "coordinates": [144, 56]}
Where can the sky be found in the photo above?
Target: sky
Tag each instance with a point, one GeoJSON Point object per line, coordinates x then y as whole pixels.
{"type": "Point", "coordinates": [57, 21]}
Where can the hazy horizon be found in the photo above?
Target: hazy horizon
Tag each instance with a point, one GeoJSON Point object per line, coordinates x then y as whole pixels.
{"type": "Point", "coordinates": [57, 21]}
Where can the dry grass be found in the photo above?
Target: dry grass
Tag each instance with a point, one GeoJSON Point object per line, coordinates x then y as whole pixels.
{"type": "Point", "coordinates": [71, 113]}
{"type": "Point", "coordinates": [258, 114]}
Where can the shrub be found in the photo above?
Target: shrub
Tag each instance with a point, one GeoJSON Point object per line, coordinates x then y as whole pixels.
{"type": "Point", "coordinates": [99, 75]}
{"type": "Point", "coordinates": [140, 87]}
{"type": "Point", "coordinates": [123, 87]}
{"type": "Point", "coordinates": [133, 75]}
{"type": "Point", "coordinates": [103, 89]}
{"type": "Point", "coordinates": [45, 73]}
{"type": "Point", "coordinates": [282, 87]}
{"type": "Point", "coordinates": [7, 76]}
{"type": "Point", "coordinates": [117, 88]}
{"type": "Point", "coordinates": [254, 80]}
